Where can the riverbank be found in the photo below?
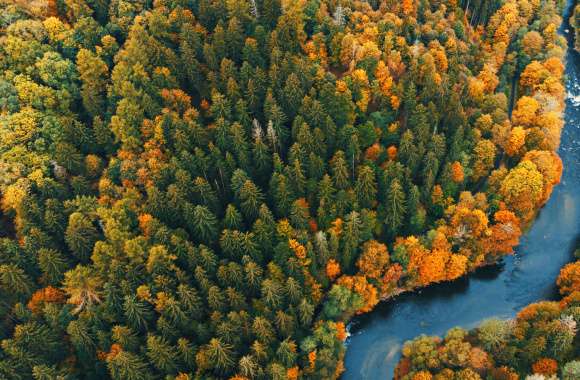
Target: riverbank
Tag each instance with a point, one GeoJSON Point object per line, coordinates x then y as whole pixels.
{"type": "Point", "coordinates": [497, 291]}
{"type": "Point", "coordinates": [540, 341]}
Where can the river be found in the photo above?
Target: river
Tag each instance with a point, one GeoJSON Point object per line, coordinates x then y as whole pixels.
{"type": "Point", "coordinates": [374, 348]}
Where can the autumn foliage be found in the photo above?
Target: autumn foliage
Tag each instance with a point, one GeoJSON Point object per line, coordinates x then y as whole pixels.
{"type": "Point", "coordinates": [545, 366]}
{"type": "Point", "coordinates": [211, 189]}
{"type": "Point", "coordinates": [361, 286]}
{"type": "Point", "coordinates": [44, 296]}
{"type": "Point", "coordinates": [332, 269]}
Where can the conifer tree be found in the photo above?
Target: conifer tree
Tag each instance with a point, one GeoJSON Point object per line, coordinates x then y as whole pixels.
{"type": "Point", "coordinates": [221, 355]}
{"type": "Point", "coordinates": [395, 207]}
{"type": "Point", "coordinates": [340, 173]}
{"type": "Point", "coordinates": [366, 187]}
{"type": "Point", "coordinates": [204, 225]}
{"type": "Point", "coordinates": [250, 198]}
{"type": "Point", "coordinates": [126, 365]}
{"type": "Point", "coordinates": [161, 354]}
{"type": "Point", "coordinates": [93, 73]}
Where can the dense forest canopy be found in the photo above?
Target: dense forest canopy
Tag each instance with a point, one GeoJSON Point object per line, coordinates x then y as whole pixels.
{"type": "Point", "coordinates": [204, 189]}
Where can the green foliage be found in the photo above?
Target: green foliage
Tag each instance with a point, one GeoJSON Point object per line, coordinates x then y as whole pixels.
{"type": "Point", "coordinates": [80, 235]}
{"type": "Point", "coordinates": [340, 301]}
{"type": "Point", "coordinates": [493, 334]}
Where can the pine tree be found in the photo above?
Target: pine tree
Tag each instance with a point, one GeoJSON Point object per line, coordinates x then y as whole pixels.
{"type": "Point", "coordinates": [161, 354]}
{"type": "Point", "coordinates": [240, 146]}
{"type": "Point", "coordinates": [215, 298]}
{"type": "Point", "coordinates": [186, 352]}
{"type": "Point", "coordinates": [261, 154]}
{"type": "Point", "coordinates": [127, 366]}
{"type": "Point", "coordinates": [250, 198]}
{"type": "Point", "coordinates": [366, 186]}
{"type": "Point", "coordinates": [282, 194]}
{"type": "Point", "coordinates": [263, 235]}
{"type": "Point", "coordinates": [286, 352]}
{"type": "Point", "coordinates": [137, 312]}
{"type": "Point", "coordinates": [306, 312]}
{"type": "Point", "coordinates": [277, 132]}
{"type": "Point", "coordinates": [190, 50]}
{"type": "Point", "coordinates": [81, 338]}
{"type": "Point", "coordinates": [292, 94]}
{"type": "Point", "coordinates": [14, 280]}
{"type": "Point", "coordinates": [270, 10]}
{"type": "Point", "coordinates": [125, 337]}
{"type": "Point", "coordinates": [339, 169]}
{"type": "Point", "coordinates": [248, 366]}
{"type": "Point", "coordinates": [293, 290]}
{"type": "Point", "coordinates": [429, 173]}
{"type": "Point", "coordinates": [207, 259]}
{"type": "Point", "coordinates": [352, 236]}
{"type": "Point", "coordinates": [298, 179]}
{"type": "Point", "coordinates": [395, 207]}
{"type": "Point", "coordinates": [94, 76]}
{"type": "Point", "coordinates": [272, 293]}
{"type": "Point", "coordinates": [204, 194]}
{"type": "Point", "coordinates": [232, 218]}
{"type": "Point", "coordinates": [407, 151]}
{"type": "Point", "coordinates": [253, 274]}
{"type": "Point", "coordinates": [42, 372]}
{"type": "Point", "coordinates": [81, 235]}
{"type": "Point", "coordinates": [419, 124]}
{"type": "Point", "coordinates": [263, 329]}
{"type": "Point", "coordinates": [299, 214]}
{"type": "Point", "coordinates": [285, 323]}
{"type": "Point", "coordinates": [37, 343]}
{"type": "Point", "coordinates": [234, 39]}
{"type": "Point", "coordinates": [203, 223]}
{"type": "Point", "coordinates": [316, 167]}
{"type": "Point", "coordinates": [190, 300]}
{"type": "Point", "coordinates": [326, 189]}
{"type": "Point", "coordinates": [220, 355]}
{"type": "Point", "coordinates": [416, 212]}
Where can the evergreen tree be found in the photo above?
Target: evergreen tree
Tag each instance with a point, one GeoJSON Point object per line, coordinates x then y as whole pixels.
{"type": "Point", "coordinates": [220, 355]}
{"type": "Point", "coordinates": [395, 207]}
{"type": "Point", "coordinates": [161, 354]}
{"type": "Point", "coordinates": [250, 198]}
{"type": "Point", "coordinates": [204, 224]}
{"type": "Point", "coordinates": [339, 169]}
{"type": "Point", "coordinates": [93, 73]}
{"type": "Point", "coordinates": [366, 187]}
{"type": "Point", "coordinates": [81, 235]}
{"type": "Point", "coordinates": [125, 365]}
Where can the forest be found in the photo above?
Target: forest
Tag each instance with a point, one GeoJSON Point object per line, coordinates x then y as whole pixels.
{"type": "Point", "coordinates": [212, 189]}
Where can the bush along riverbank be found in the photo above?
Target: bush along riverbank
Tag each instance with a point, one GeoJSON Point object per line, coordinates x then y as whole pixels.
{"type": "Point", "coordinates": [541, 342]}
{"type": "Point", "coordinates": [212, 189]}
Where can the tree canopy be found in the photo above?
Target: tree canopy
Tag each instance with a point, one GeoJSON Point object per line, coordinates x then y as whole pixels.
{"type": "Point", "coordinates": [211, 189]}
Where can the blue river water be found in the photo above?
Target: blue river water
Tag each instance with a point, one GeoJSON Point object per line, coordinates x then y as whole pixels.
{"type": "Point", "coordinates": [528, 276]}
